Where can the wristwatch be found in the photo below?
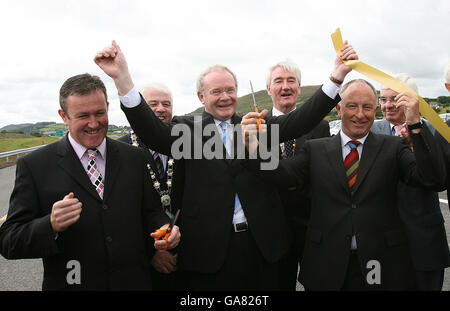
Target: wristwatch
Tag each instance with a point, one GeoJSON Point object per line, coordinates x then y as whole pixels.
{"type": "Point", "coordinates": [414, 126]}
{"type": "Point", "coordinates": [333, 79]}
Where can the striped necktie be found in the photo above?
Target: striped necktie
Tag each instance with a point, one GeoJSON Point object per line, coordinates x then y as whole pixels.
{"type": "Point", "coordinates": [93, 172]}
{"type": "Point", "coordinates": [351, 163]}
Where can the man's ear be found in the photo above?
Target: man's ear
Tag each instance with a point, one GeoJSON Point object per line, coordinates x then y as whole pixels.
{"type": "Point", "coordinates": [338, 108]}
{"type": "Point", "coordinates": [201, 97]}
{"type": "Point", "coordinates": [63, 116]}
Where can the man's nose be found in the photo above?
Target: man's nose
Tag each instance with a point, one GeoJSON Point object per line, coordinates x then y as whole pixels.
{"type": "Point", "coordinates": [159, 108]}
{"type": "Point", "coordinates": [93, 122]}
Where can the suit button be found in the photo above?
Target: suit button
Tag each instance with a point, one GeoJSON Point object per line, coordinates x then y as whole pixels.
{"type": "Point", "coordinates": [108, 239]}
{"type": "Point", "coordinates": [105, 207]}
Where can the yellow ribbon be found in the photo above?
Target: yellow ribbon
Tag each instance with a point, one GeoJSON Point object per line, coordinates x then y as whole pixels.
{"type": "Point", "coordinates": [393, 84]}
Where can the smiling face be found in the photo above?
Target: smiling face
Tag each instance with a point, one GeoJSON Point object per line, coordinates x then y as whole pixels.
{"type": "Point", "coordinates": [87, 118]}
{"type": "Point", "coordinates": [160, 103]}
{"type": "Point", "coordinates": [357, 110]}
{"type": "Point", "coordinates": [284, 88]}
{"type": "Point", "coordinates": [219, 94]}
{"type": "Point", "coordinates": [393, 114]}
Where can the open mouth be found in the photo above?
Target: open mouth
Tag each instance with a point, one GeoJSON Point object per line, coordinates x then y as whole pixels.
{"type": "Point", "coordinates": [92, 132]}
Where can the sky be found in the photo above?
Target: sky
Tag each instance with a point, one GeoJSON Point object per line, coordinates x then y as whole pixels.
{"type": "Point", "coordinates": [47, 41]}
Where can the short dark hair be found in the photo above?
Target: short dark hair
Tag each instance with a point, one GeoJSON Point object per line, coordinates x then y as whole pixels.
{"type": "Point", "coordinates": [82, 84]}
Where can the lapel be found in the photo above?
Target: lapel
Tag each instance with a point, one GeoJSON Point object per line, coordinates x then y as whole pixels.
{"type": "Point", "coordinates": [385, 127]}
{"type": "Point", "coordinates": [334, 153]}
{"type": "Point", "coordinates": [69, 162]}
{"type": "Point", "coordinates": [112, 168]}
{"type": "Point", "coordinates": [371, 148]}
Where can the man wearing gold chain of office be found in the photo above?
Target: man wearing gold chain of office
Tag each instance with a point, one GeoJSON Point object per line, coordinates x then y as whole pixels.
{"type": "Point", "coordinates": [161, 169]}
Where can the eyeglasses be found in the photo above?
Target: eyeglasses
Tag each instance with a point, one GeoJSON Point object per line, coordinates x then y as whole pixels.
{"type": "Point", "coordinates": [384, 100]}
{"type": "Point", "coordinates": [217, 92]}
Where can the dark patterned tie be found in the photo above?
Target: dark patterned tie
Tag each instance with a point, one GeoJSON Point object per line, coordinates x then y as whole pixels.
{"type": "Point", "coordinates": [289, 148]}
{"type": "Point", "coordinates": [351, 163]}
{"type": "Point", "coordinates": [93, 173]}
{"type": "Point", "coordinates": [159, 165]}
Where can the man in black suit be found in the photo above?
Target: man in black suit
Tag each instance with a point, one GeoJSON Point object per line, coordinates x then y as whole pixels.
{"type": "Point", "coordinates": [233, 224]}
{"type": "Point", "coordinates": [355, 238]}
{"type": "Point", "coordinates": [284, 87]}
{"type": "Point", "coordinates": [84, 203]}
{"type": "Point", "coordinates": [161, 168]}
{"type": "Point", "coordinates": [419, 207]}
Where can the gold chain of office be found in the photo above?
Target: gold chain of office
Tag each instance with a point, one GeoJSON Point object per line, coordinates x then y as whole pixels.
{"type": "Point", "coordinates": [164, 194]}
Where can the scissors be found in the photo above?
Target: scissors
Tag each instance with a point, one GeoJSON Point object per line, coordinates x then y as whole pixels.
{"type": "Point", "coordinates": [164, 234]}
{"type": "Point", "coordinates": [258, 120]}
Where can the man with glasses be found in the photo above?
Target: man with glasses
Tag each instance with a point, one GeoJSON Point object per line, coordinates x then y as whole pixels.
{"type": "Point", "coordinates": [233, 224]}
{"type": "Point", "coordinates": [419, 208]}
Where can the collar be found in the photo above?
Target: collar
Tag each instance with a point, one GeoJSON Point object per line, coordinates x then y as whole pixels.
{"type": "Point", "coordinates": [345, 139]}
{"type": "Point", "coordinates": [217, 122]}
{"type": "Point", "coordinates": [80, 150]}
{"type": "Point", "coordinates": [276, 112]}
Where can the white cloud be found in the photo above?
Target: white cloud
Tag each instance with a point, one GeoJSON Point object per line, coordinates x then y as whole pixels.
{"type": "Point", "coordinates": [45, 42]}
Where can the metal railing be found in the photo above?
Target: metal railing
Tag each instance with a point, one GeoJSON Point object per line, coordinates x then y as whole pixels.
{"type": "Point", "coordinates": [18, 152]}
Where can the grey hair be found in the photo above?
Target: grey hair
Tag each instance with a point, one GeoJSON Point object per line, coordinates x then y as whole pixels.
{"type": "Point", "coordinates": [158, 87]}
{"type": "Point", "coordinates": [200, 85]}
{"type": "Point", "coordinates": [346, 85]}
{"type": "Point", "coordinates": [287, 65]}
{"type": "Point", "coordinates": [406, 79]}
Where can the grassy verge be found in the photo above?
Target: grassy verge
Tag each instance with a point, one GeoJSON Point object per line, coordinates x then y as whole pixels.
{"type": "Point", "coordinates": [24, 141]}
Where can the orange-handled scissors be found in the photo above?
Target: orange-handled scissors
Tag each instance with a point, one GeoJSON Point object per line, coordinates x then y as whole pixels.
{"type": "Point", "coordinates": [164, 234]}
{"type": "Point", "coordinates": [258, 120]}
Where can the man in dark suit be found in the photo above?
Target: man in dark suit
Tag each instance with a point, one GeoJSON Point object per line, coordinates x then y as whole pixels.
{"type": "Point", "coordinates": [284, 87]}
{"type": "Point", "coordinates": [84, 203]}
{"type": "Point", "coordinates": [419, 207]}
{"type": "Point", "coordinates": [233, 224]}
{"type": "Point", "coordinates": [161, 168]}
{"type": "Point", "coordinates": [355, 238]}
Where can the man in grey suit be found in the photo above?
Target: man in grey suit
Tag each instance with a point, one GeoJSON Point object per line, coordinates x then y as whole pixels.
{"type": "Point", "coordinates": [419, 207]}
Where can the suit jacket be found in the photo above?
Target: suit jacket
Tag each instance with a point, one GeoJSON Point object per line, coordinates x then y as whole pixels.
{"type": "Point", "coordinates": [110, 240]}
{"type": "Point", "coordinates": [370, 214]}
{"type": "Point", "coordinates": [292, 197]}
{"type": "Point", "coordinates": [150, 160]}
{"type": "Point", "coordinates": [445, 146]}
{"type": "Point", "coordinates": [424, 224]}
{"type": "Point", "coordinates": [210, 186]}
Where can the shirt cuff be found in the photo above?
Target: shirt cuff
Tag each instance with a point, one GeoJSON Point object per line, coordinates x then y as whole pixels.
{"type": "Point", "coordinates": [131, 99]}
{"type": "Point", "coordinates": [330, 89]}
